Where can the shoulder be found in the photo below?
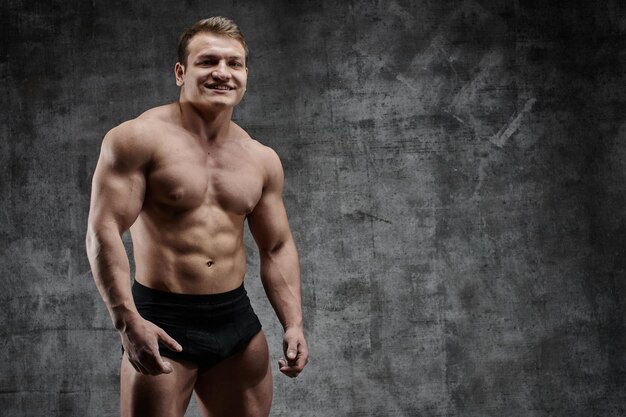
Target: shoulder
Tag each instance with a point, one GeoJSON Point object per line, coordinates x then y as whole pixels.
{"type": "Point", "coordinates": [266, 157]}
{"type": "Point", "coordinates": [269, 160]}
{"type": "Point", "coordinates": [135, 138]}
{"type": "Point", "coordinates": [128, 144]}
{"type": "Point", "coordinates": [263, 153]}
{"type": "Point", "coordinates": [143, 127]}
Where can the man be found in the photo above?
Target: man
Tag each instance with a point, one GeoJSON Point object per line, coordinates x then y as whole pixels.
{"type": "Point", "coordinates": [183, 178]}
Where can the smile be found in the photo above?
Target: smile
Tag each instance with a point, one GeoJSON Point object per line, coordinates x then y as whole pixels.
{"type": "Point", "coordinates": [219, 87]}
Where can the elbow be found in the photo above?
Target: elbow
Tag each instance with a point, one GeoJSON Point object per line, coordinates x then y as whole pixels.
{"type": "Point", "coordinates": [276, 247]}
{"type": "Point", "coordinates": [95, 237]}
{"type": "Point", "coordinates": [99, 229]}
{"type": "Point", "coordinates": [91, 241]}
{"type": "Point", "coordinates": [279, 248]}
{"type": "Point", "coordinates": [272, 249]}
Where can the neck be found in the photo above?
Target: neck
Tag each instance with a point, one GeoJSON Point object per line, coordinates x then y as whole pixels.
{"type": "Point", "coordinates": [211, 125]}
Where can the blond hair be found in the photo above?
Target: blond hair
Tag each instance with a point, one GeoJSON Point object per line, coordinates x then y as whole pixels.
{"type": "Point", "coordinates": [217, 25]}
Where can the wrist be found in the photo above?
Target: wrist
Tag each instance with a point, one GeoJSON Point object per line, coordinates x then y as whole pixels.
{"type": "Point", "coordinates": [122, 315]}
{"type": "Point", "coordinates": [298, 325]}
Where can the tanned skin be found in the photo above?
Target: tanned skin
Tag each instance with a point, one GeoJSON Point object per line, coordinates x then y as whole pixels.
{"type": "Point", "coordinates": [183, 178]}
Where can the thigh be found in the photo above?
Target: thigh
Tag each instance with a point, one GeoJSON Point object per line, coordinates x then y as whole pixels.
{"type": "Point", "coordinates": [238, 386]}
{"type": "Point", "coordinates": [155, 396]}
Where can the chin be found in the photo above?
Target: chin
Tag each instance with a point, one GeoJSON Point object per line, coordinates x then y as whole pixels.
{"type": "Point", "coordinates": [214, 105]}
{"type": "Point", "coordinates": [224, 101]}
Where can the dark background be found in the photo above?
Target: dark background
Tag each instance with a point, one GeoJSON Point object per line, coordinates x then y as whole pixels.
{"type": "Point", "coordinates": [455, 183]}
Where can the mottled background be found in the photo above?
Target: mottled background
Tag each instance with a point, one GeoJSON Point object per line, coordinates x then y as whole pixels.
{"type": "Point", "coordinates": [455, 182]}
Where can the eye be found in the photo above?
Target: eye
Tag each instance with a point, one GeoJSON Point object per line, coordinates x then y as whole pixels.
{"type": "Point", "coordinates": [236, 64]}
{"type": "Point", "coordinates": [207, 62]}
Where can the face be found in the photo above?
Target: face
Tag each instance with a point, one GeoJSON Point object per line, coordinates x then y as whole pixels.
{"type": "Point", "coordinates": [215, 74]}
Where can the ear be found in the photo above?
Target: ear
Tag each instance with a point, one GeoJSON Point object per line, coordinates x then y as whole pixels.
{"type": "Point", "coordinates": [179, 72]}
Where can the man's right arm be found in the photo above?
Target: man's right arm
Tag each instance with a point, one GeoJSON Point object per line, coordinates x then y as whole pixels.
{"type": "Point", "coordinates": [118, 189]}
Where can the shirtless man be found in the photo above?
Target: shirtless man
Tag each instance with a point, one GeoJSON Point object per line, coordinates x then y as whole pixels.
{"type": "Point", "coordinates": [183, 178]}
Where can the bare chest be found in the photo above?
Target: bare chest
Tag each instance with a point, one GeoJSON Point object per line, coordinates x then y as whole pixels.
{"type": "Point", "coordinates": [185, 179]}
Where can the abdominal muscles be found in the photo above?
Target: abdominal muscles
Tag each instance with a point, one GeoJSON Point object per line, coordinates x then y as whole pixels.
{"type": "Point", "coordinates": [198, 251]}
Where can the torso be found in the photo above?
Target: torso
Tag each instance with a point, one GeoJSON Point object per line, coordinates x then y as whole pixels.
{"type": "Point", "coordinates": [188, 237]}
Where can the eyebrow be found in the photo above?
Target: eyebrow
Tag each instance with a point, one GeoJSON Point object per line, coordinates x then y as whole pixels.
{"type": "Point", "coordinates": [203, 56]}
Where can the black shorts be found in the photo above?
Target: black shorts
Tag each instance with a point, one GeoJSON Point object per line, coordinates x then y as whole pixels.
{"type": "Point", "coordinates": [210, 327]}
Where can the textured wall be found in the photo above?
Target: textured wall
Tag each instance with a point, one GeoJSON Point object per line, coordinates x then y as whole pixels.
{"type": "Point", "coordinates": [455, 182]}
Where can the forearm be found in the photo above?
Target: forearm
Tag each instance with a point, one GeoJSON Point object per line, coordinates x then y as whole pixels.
{"type": "Point", "coordinates": [280, 274]}
{"type": "Point", "coordinates": [111, 273]}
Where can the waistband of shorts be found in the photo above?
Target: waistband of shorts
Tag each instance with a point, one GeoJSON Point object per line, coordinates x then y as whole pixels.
{"type": "Point", "coordinates": [143, 292]}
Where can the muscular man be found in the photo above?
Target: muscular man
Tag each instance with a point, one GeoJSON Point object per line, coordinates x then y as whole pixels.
{"type": "Point", "coordinates": [183, 178]}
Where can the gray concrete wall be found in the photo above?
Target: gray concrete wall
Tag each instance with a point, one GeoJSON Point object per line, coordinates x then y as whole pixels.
{"type": "Point", "coordinates": [455, 182]}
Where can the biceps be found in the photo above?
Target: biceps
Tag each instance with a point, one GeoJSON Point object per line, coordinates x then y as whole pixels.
{"type": "Point", "coordinates": [268, 224]}
{"type": "Point", "coordinates": [117, 198]}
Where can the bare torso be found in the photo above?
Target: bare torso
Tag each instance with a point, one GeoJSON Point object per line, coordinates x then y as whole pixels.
{"type": "Point", "coordinates": [188, 237]}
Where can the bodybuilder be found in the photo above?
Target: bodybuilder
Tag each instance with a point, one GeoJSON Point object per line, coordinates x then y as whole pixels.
{"type": "Point", "coordinates": [183, 178]}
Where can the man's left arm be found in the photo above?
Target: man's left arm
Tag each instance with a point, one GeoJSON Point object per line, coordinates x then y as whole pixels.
{"type": "Point", "coordinates": [280, 268]}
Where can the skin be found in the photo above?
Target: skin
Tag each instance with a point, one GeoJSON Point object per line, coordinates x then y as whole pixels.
{"type": "Point", "coordinates": [183, 178]}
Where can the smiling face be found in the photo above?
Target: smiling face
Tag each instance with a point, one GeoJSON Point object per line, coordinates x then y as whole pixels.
{"type": "Point", "coordinates": [215, 74]}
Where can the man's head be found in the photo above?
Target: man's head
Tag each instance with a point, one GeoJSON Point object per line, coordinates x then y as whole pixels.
{"type": "Point", "coordinates": [211, 68]}
{"type": "Point", "coordinates": [216, 25]}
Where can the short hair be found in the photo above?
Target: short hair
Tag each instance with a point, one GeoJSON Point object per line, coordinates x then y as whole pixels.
{"type": "Point", "coordinates": [217, 25]}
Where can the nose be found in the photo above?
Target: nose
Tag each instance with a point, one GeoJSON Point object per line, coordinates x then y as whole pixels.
{"type": "Point", "coordinates": [221, 72]}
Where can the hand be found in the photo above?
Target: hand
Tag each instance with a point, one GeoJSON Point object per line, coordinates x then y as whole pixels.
{"type": "Point", "coordinates": [141, 344]}
{"type": "Point", "coordinates": [296, 352]}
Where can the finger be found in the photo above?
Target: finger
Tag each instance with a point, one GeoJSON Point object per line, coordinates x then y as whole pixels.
{"type": "Point", "coordinates": [284, 367]}
{"type": "Point", "coordinates": [301, 362]}
{"type": "Point", "coordinates": [169, 341]}
{"type": "Point", "coordinates": [291, 350]}
{"type": "Point", "coordinates": [303, 356]}
{"type": "Point", "coordinates": [136, 364]}
{"type": "Point", "coordinates": [289, 370]}
{"type": "Point", "coordinates": [300, 358]}
{"type": "Point", "coordinates": [155, 364]}
{"type": "Point", "coordinates": [165, 367]}
{"type": "Point", "coordinates": [149, 361]}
